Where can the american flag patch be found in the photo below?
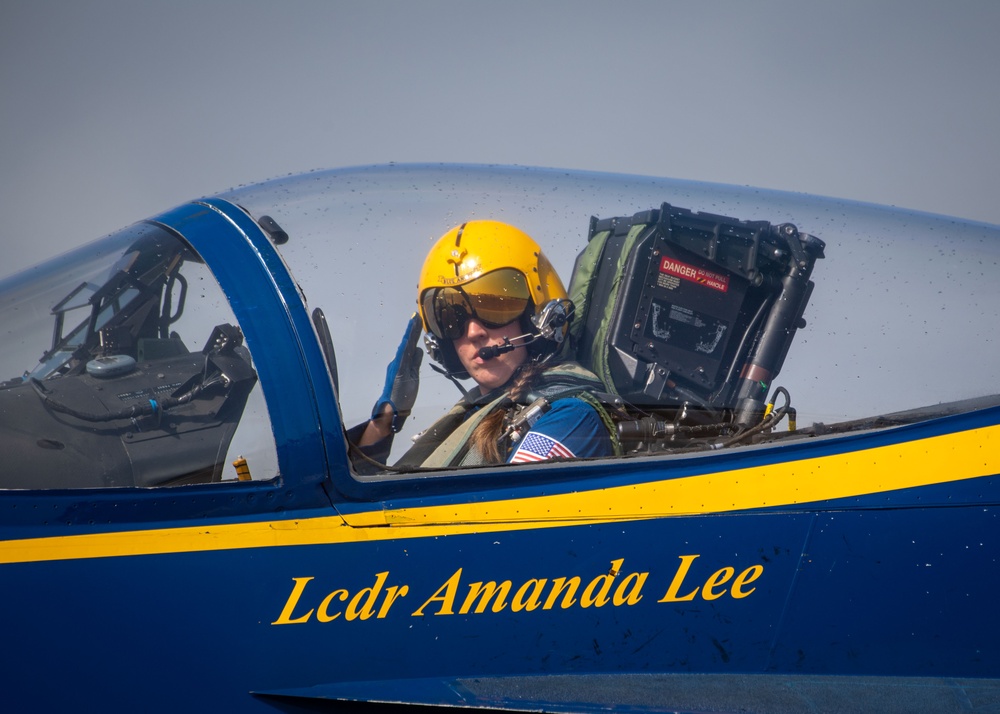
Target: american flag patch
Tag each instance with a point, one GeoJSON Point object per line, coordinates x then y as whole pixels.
{"type": "Point", "coordinates": [538, 447]}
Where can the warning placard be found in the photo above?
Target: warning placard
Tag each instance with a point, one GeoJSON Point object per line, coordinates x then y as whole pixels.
{"type": "Point", "coordinates": [716, 281]}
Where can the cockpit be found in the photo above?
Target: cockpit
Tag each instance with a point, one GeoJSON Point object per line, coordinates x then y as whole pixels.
{"type": "Point", "coordinates": [117, 397]}
{"type": "Point", "coordinates": [717, 317]}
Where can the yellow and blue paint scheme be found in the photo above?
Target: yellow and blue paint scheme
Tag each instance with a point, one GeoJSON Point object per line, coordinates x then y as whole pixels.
{"type": "Point", "coordinates": [828, 566]}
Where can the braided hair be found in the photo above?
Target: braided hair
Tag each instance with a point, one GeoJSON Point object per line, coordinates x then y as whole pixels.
{"type": "Point", "coordinates": [486, 437]}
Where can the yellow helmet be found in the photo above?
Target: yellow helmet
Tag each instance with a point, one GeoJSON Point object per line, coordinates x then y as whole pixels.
{"type": "Point", "coordinates": [484, 270]}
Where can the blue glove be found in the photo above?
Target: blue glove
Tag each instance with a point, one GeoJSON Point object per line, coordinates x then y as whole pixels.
{"type": "Point", "coordinates": [402, 376]}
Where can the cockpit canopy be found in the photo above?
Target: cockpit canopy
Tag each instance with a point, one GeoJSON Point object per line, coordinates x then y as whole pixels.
{"type": "Point", "coordinates": [902, 317]}
{"type": "Point", "coordinates": [845, 315]}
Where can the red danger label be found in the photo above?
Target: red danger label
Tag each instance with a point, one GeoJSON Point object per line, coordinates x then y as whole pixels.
{"type": "Point", "coordinates": [716, 281]}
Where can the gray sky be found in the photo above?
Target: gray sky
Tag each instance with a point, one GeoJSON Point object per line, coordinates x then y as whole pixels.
{"type": "Point", "coordinates": [113, 110]}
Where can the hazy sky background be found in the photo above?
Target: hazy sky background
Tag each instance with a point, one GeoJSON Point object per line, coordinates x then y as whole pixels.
{"type": "Point", "coordinates": [114, 110]}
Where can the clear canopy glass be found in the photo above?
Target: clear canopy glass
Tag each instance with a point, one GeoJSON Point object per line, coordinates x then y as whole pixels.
{"type": "Point", "coordinates": [904, 313]}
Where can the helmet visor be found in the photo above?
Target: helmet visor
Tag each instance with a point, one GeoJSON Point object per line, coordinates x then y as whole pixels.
{"type": "Point", "coordinates": [495, 299]}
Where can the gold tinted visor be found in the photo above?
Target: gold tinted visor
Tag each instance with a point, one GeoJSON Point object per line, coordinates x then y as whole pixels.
{"type": "Point", "coordinates": [495, 299]}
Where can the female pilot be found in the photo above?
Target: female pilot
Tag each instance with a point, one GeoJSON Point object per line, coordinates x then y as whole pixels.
{"type": "Point", "coordinates": [483, 296]}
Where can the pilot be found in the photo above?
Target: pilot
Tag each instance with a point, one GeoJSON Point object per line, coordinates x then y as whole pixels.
{"type": "Point", "coordinates": [495, 311]}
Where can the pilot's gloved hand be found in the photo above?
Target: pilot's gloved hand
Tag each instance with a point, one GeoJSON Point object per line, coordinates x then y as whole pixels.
{"type": "Point", "coordinates": [402, 377]}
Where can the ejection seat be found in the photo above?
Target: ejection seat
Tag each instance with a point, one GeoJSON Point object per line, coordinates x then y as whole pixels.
{"type": "Point", "coordinates": [688, 317]}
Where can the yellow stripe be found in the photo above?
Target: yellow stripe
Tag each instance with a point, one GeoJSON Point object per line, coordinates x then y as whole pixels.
{"type": "Point", "coordinates": [942, 459]}
{"type": "Point", "coordinates": [269, 534]}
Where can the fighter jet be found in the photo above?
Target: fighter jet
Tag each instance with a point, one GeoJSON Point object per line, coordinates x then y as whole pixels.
{"type": "Point", "coordinates": [795, 509]}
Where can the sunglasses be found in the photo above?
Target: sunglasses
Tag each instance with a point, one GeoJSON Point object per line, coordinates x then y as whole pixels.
{"type": "Point", "coordinates": [495, 299]}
